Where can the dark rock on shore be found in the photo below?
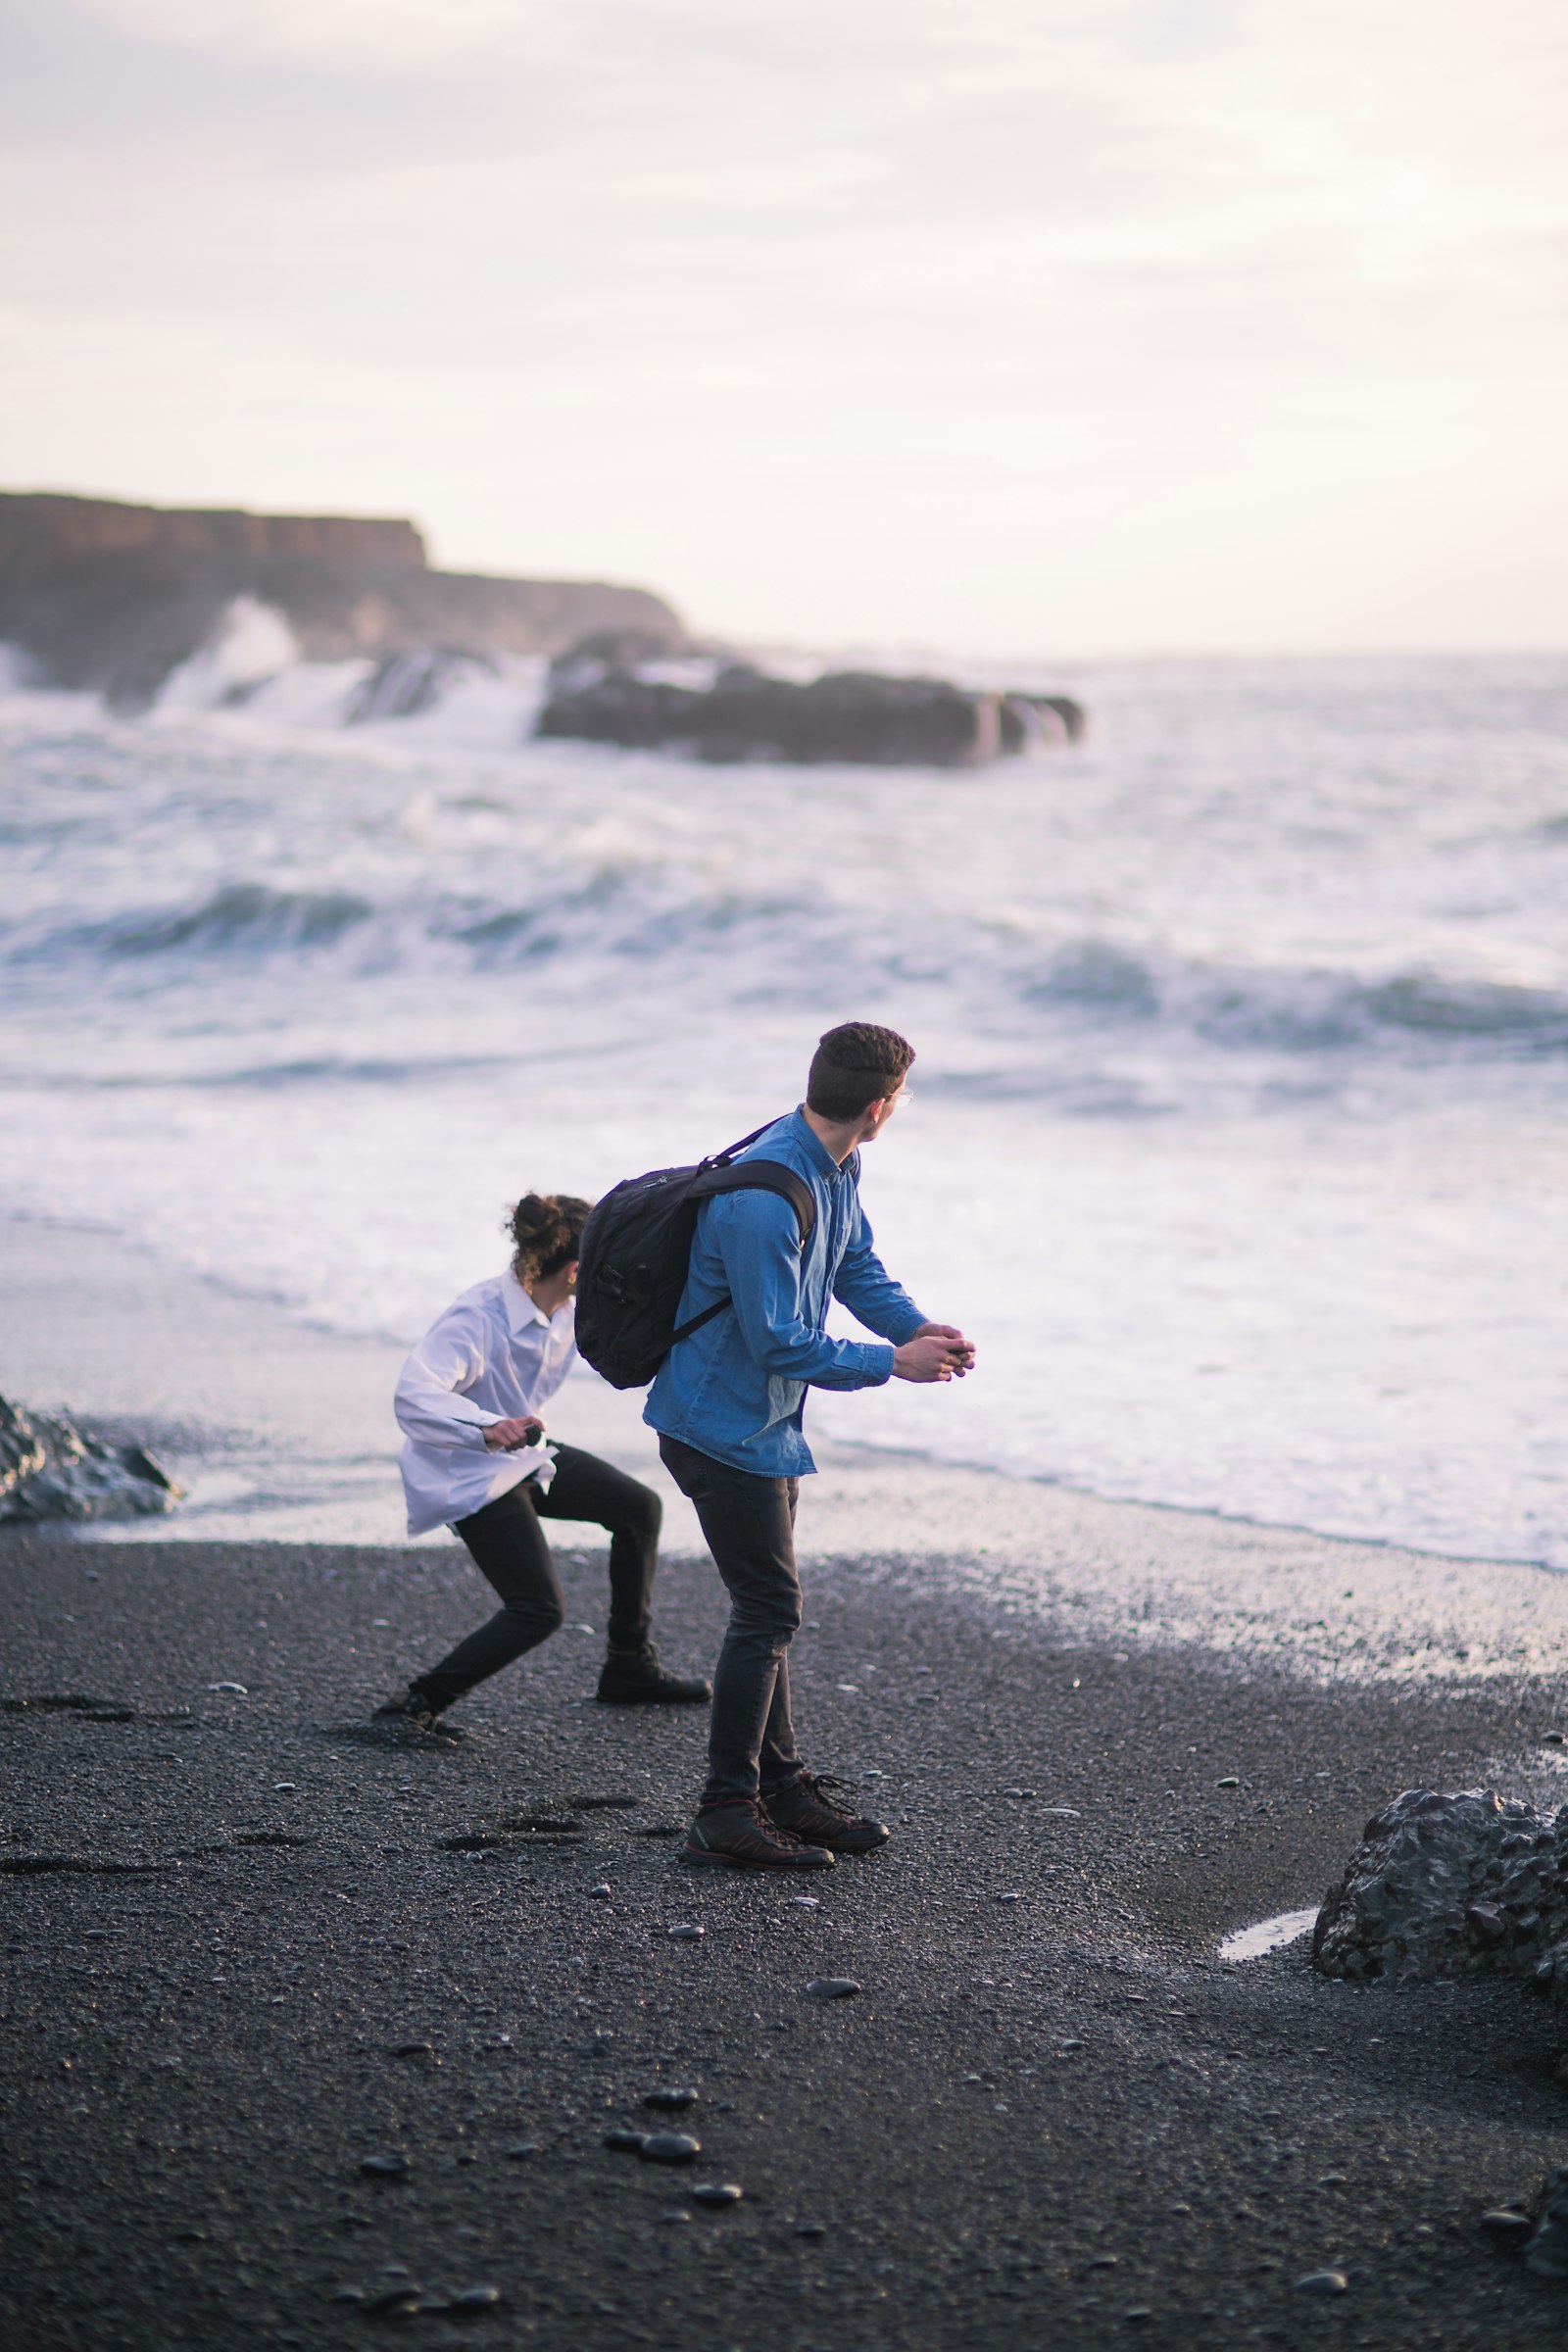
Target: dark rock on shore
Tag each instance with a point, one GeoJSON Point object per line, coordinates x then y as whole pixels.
{"type": "Point", "coordinates": [48, 1470]}
{"type": "Point", "coordinates": [113, 596]}
{"type": "Point", "coordinates": [1449, 1885]}
{"type": "Point", "coordinates": [854, 718]}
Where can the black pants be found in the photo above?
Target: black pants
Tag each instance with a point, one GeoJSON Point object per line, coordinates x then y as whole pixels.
{"type": "Point", "coordinates": [508, 1548]}
{"type": "Point", "coordinates": [749, 1523]}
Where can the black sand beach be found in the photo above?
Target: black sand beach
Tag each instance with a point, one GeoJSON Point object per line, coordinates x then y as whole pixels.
{"type": "Point", "coordinates": [250, 1943]}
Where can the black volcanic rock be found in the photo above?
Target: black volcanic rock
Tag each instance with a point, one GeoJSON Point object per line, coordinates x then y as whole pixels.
{"type": "Point", "coordinates": [853, 716]}
{"type": "Point", "coordinates": [49, 1470]}
{"type": "Point", "coordinates": [111, 597]}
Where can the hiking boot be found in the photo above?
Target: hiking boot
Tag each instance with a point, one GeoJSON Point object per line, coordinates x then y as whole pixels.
{"type": "Point", "coordinates": [634, 1678]}
{"type": "Point", "coordinates": [801, 1808]}
{"type": "Point", "coordinates": [738, 1831]}
{"type": "Point", "coordinates": [410, 1710]}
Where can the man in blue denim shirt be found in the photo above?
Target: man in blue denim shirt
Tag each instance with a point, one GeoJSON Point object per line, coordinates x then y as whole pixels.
{"type": "Point", "coordinates": [728, 1404]}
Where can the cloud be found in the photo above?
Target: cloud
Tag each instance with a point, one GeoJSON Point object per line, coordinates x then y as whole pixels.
{"type": "Point", "coordinates": [1085, 277]}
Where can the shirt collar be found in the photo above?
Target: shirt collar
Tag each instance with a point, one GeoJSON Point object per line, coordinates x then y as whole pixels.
{"type": "Point", "coordinates": [520, 1309]}
{"type": "Point", "coordinates": [811, 1142]}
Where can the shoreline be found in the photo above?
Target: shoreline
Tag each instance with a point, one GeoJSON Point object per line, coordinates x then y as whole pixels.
{"type": "Point", "coordinates": [284, 1431]}
{"type": "Point", "coordinates": [254, 1941]}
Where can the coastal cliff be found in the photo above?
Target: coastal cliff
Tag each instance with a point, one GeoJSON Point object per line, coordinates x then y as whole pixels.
{"type": "Point", "coordinates": [110, 597]}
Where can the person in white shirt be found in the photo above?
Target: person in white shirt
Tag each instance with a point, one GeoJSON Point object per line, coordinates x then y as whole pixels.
{"type": "Point", "coordinates": [473, 1459]}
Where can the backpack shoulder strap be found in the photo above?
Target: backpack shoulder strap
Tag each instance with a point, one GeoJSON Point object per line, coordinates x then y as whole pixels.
{"type": "Point", "coordinates": [762, 1176]}
{"type": "Point", "coordinates": [751, 1176]}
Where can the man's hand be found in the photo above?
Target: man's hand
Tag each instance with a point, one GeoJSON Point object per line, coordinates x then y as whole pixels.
{"type": "Point", "coordinates": [933, 1354]}
{"type": "Point", "coordinates": [951, 1331]}
{"type": "Point", "coordinates": [507, 1437]}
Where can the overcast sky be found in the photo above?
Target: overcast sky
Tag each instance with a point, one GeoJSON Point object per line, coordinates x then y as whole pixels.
{"type": "Point", "coordinates": [1021, 326]}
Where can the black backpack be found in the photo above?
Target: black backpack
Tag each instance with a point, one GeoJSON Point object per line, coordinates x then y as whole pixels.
{"type": "Point", "coordinates": [636, 1253]}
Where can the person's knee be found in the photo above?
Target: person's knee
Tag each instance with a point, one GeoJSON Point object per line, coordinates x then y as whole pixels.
{"type": "Point", "coordinates": [537, 1618]}
{"type": "Point", "coordinates": [773, 1618]}
{"type": "Point", "coordinates": [644, 1514]}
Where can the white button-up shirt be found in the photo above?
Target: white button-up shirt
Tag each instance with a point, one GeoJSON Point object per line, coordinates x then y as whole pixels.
{"type": "Point", "coordinates": [492, 1356]}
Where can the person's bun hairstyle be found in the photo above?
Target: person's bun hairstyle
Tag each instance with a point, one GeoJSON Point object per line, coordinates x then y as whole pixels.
{"type": "Point", "coordinates": [545, 1230]}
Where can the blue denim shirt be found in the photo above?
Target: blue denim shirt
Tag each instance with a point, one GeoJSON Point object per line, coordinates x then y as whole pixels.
{"type": "Point", "coordinates": [736, 1388]}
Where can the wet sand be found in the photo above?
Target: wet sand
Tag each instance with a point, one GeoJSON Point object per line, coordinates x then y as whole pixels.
{"type": "Point", "coordinates": [1053, 2119]}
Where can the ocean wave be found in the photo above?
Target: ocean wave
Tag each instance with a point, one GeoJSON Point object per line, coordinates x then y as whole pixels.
{"type": "Point", "coordinates": [244, 915]}
{"type": "Point", "coordinates": [1298, 1009]}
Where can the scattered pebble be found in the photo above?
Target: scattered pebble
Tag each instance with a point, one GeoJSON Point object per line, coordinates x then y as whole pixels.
{"type": "Point", "coordinates": [600, 1894]}
{"type": "Point", "coordinates": [625, 2143]}
{"type": "Point", "coordinates": [1507, 2224]}
{"type": "Point", "coordinates": [807, 1902]}
{"type": "Point", "coordinates": [385, 2168]}
{"type": "Point", "coordinates": [670, 2098]}
{"type": "Point", "coordinates": [833, 1988]}
{"type": "Point", "coordinates": [523, 2147]}
{"type": "Point", "coordinates": [1069, 2044]}
{"type": "Point", "coordinates": [1322, 2283]}
{"type": "Point", "coordinates": [413, 2049]}
{"type": "Point", "coordinates": [669, 2148]}
{"type": "Point", "coordinates": [685, 1933]}
{"type": "Point", "coordinates": [392, 2300]}
{"type": "Point", "coordinates": [1103, 2262]}
{"type": "Point", "coordinates": [810, 2230]}
{"type": "Point", "coordinates": [1011, 1896]}
{"type": "Point", "coordinates": [1230, 1782]}
{"type": "Point", "coordinates": [1059, 1812]}
{"type": "Point", "coordinates": [1554, 1739]}
{"type": "Point", "coordinates": [1332, 2180]}
{"type": "Point", "coordinates": [715, 2192]}
{"type": "Point", "coordinates": [1017, 1793]}
{"type": "Point", "coordinates": [234, 1690]}
{"type": "Point", "coordinates": [284, 1788]}
{"type": "Point", "coordinates": [477, 2298]}
{"type": "Point", "coordinates": [1138, 2311]}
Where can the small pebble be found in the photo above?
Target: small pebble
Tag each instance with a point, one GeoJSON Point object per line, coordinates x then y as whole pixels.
{"type": "Point", "coordinates": [1103, 2262]}
{"type": "Point", "coordinates": [392, 2299]}
{"type": "Point", "coordinates": [1138, 2311]}
{"type": "Point", "coordinates": [1332, 2180]}
{"type": "Point", "coordinates": [1011, 1896]}
{"type": "Point", "coordinates": [807, 1902]}
{"type": "Point", "coordinates": [685, 1933]}
{"type": "Point", "coordinates": [1017, 1793]}
{"type": "Point", "coordinates": [628, 2143]}
{"type": "Point", "coordinates": [385, 2168]}
{"type": "Point", "coordinates": [715, 2192]}
{"type": "Point", "coordinates": [284, 1788]}
{"type": "Point", "coordinates": [1229, 1782]}
{"type": "Point", "coordinates": [1554, 1739]}
{"type": "Point", "coordinates": [1507, 2224]}
{"type": "Point", "coordinates": [670, 2098]}
{"type": "Point", "coordinates": [413, 2049]}
{"type": "Point", "coordinates": [1069, 2044]}
{"type": "Point", "coordinates": [524, 2147]}
{"type": "Point", "coordinates": [810, 2230]}
{"type": "Point", "coordinates": [477, 2298]}
{"type": "Point", "coordinates": [669, 2148]}
{"type": "Point", "coordinates": [833, 1988]}
{"type": "Point", "coordinates": [600, 1894]}
{"type": "Point", "coordinates": [236, 1689]}
{"type": "Point", "coordinates": [1322, 2283]}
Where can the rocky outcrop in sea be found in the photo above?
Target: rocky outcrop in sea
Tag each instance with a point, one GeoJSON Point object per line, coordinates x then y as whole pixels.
{"type": "Point", "coordinates": [113, 598]}
{"type": "Point", "coordinates": [50, 1470]}
{"type": "Point", "coordinates": [856, 718]}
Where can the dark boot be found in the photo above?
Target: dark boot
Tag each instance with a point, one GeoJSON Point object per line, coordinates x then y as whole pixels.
{"type": "Point", "coordinates": [738, 1831]}
{"type": "Point", "coordinates": [410, 1710]}
{"type": "Point", "coordinates": [634, 1678]}
{"type": "Point", "coordinates": [802, 1807]}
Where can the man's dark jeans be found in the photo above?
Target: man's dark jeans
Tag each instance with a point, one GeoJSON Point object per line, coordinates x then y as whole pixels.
{"type": "Point", "coordinates": [750, 1526]}
{"type": "Point", "coordinates": [510, 1550]}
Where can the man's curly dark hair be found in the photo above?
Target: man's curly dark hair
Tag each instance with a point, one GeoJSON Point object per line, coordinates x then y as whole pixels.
{"type": "Point", "coordinates": [853, 1066]}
